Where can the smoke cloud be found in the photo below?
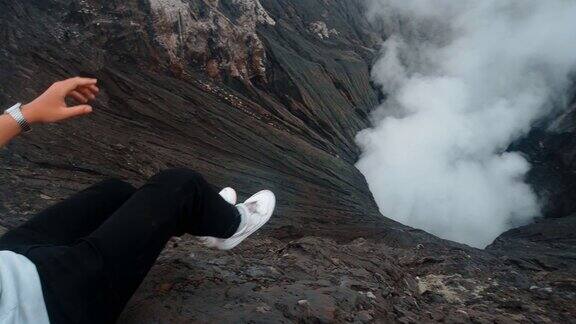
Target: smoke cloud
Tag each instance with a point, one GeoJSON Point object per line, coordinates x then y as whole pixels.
{"type": "Point", "coordinates": [463, 80]}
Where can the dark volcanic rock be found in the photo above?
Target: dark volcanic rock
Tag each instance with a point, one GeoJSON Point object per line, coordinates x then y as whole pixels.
{"type": "Point", "coordinates": [293, 135]}
{"type": "Point", "coordinates": [317, 280]}
{"type": "Point", "coordinates": [548, 244]}
{"type": "Point", "coordinates": [256, 94]}
{"type": "Point", "coordinates": [551, 149]}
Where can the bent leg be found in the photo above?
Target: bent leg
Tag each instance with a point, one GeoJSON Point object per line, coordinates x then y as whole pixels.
{"type": "Point", "coordinates": [73, 218]}
{"type": "Point", "coordinates": [105, 269]}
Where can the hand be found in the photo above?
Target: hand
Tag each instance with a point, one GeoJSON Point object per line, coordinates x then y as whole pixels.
{"type": "Point", "coordinates": [51, 106]}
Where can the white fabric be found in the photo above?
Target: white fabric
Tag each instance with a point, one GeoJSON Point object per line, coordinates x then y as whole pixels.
{"type": "Point", "coordinates": [21, 299]}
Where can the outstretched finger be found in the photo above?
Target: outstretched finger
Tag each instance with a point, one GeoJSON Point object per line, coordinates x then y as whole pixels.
{"type": "Point", "coordinates": [77, 111]}
{"type": "Point", "coordinates": [94, 88]}
{"type": "Point", "coordinates": [86, 92]}
{"type": "Point", "coordinates": [74, 83]}
{"type": "Point", "coordinates": [79, 97]}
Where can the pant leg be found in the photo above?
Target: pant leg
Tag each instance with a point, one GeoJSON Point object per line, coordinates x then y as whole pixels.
{"type": "Point", "coordinates": [103, 271]}
{"type": "Point", "coordinates": [73, 218]}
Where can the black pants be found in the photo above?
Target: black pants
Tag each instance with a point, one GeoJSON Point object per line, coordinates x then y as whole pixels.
{"type": "Point", "coordinates": [93, 250]}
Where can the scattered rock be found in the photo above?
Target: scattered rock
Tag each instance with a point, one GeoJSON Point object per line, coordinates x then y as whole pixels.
{"type": "Point", "coordinates": [263, 309]}
{"type": "Point", "coordinates": [165, 288]}
{"type": "Point", "coordinates": [364, 317]}
{"type": "Point", "coordinates": [321, 30]}
{"type": "Point", "coordinates": [303, 302]}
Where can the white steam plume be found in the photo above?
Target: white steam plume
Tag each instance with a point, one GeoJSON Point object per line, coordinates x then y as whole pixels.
{"type": "Point", "coordinates": [464, 79]}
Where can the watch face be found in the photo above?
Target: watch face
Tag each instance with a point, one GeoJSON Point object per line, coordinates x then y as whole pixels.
{"type": "Point", "coordinates": [14, 108]}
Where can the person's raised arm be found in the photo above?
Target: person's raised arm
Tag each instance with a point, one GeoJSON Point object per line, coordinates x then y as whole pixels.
{"type": "Point", "coordinates": [51, 107]}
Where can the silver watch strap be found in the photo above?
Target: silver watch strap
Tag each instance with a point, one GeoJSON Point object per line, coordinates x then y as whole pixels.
{"type": "Point", "coordinates": [16, 113]}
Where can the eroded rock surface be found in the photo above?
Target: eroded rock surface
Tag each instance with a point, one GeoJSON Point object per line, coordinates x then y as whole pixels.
{"type": "Point", "coordinates": [256, 94]}
{"type": "Point", "coordinates": [217, 35]}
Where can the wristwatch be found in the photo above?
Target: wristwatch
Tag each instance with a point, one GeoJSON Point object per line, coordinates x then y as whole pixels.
{"type": "Point", "coordinates": [16, 113]}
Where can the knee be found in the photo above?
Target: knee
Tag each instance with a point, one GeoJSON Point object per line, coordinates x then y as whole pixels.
{"type": "Point", "coordinates": [116, 186]}
{"type": "Point", "coordinates": [112, 190]}
{"type": "Point", "coordinates": [177, 177]}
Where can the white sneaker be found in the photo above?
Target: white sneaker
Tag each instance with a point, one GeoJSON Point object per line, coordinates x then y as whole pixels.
{"type": "Point", "coordinates": [231, 197]}
{"type": "Point", "coordinates": [254, 213]}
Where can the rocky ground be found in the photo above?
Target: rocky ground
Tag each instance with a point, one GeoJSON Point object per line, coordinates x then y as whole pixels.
{"type": "Point", "coordinates": [266, 94]}
{"type": "Point", "coordinates": [320, 280]}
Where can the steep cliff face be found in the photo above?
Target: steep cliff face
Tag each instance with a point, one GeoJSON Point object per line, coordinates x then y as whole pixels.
{"type": "Point", "coordinates": [180, 88]}
{"type": "Point", "coordinates": [202, 34]}
{"type": "Point", "coordinates": [255, 94]}
{"type": "Point", "coordinates": [550, 241]}
{"type": "Point", "coordinates": [550, 147]}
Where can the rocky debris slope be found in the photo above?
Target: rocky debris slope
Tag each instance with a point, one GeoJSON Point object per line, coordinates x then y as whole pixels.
{"type": "Point", "coordinates": [318, 280]}
{"type": "Point", "coordinates": [255, 94]}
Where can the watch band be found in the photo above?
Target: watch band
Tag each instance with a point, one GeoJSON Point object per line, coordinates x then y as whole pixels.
{"type": "Point", "coordinates": [16, 113]}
